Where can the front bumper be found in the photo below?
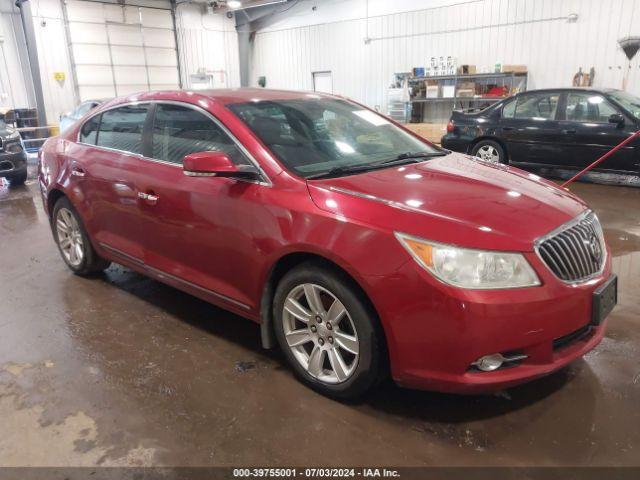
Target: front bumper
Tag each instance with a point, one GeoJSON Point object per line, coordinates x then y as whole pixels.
{"type": "Point", "coordinates": [13, 164]}
{"type": "Point", "coordinates": [435, 331]}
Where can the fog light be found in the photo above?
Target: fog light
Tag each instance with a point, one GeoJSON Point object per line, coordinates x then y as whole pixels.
{"type": "Point", "coordinates": [489, 363]}
{"type": "Point", "coordinates": [492, 362]}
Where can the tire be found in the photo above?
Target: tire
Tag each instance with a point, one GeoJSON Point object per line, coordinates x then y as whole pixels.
{"type": "Point", "coordinates": [341, 368]}
{"type": "Point", "coordinates": [490, 151]}
{"type": "Point", "coordinates": [73, 241]}
{"type": "Point", "coordinates": [18, 179]}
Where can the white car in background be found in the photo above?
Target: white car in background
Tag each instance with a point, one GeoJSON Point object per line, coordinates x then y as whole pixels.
{"type": "Point", "coordinates": [69, 118]}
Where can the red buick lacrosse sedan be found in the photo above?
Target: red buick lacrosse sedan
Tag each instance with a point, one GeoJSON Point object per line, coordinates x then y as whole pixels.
{"type": "Point", "coordinates": [361, 249]}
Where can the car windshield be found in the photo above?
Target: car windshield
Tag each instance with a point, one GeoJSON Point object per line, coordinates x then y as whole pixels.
{"type": "Point", "coordinates": [318, 136]}
{"type": "Point", "coordinates": [628, 101]}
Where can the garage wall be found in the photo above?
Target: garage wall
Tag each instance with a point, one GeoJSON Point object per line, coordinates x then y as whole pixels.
{"type": "Point", "coordinates": [480, 32]}
{"type": "Point", "coordinates": [208, 44]}
{"type": "Point", "coordinates": [15, 86]}
{"type": "Point", "coordinates": [137, 34]}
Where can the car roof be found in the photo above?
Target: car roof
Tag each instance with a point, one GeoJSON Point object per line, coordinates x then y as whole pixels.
{"type": "Point", "coordinates": [571, 89]}
{"type": "Point", "coordinates": [223, 96]}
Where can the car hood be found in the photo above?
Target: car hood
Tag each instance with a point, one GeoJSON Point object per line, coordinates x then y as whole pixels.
{"type": "Point", "coordinates": [453, 199]}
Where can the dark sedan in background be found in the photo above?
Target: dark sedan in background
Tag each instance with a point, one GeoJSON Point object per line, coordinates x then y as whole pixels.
{"type": "Point", "coordinates": [13, 158]}
{"type": "Point", "coordinates": [560, 128]}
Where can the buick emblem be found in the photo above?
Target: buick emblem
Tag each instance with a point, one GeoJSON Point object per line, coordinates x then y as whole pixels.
{"type": "Point", "coordinates": [595, 249]}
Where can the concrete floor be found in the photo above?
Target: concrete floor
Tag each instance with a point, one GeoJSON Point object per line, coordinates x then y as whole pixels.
{"type": "Point", "coordinates": [121, 370]}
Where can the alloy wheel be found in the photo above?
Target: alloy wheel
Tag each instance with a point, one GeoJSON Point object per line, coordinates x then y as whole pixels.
{"type": "Point", "coordinates": [320, 333]}
{"type": "Point", "coordinates": [69, 237]}
{"type": "Point", "coordinates": [488, 153]}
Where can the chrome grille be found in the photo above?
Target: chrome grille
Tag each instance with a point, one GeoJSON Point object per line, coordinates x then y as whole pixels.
{"type": "Point", "coordinates": [576, 251]}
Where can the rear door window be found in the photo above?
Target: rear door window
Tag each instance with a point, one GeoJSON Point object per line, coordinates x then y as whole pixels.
{"type": "Point", "coordinates": [509, 109]}
{"type": "Point", "coordinates": [121, 128]}
{"type": "Point", "coordinates": [89, 131]}
{"type": "Point", "coordinates": [179, 131]}
{"type": "Point", "coordinates": [538, 106]}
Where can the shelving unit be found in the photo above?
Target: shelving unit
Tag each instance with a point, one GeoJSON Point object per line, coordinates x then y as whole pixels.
{"type": "Point", "coordinates": [420, 105]}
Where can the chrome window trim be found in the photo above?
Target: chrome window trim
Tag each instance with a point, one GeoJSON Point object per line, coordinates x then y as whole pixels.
{"type": "Point", "coordinates": [566, 226]}
{"type": "Point", "coordinates": [265, 180]}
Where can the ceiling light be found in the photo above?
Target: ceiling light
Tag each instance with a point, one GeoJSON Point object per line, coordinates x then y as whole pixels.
{"type": "Point", "coordinates": [234, 4]}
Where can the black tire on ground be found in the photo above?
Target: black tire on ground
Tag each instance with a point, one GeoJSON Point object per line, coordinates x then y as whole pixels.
{"type": "Point", "coordinates": [18, 179]}
{"type": "Point", "coordinates": [371, 365]}
{"type": "Point", "coordinates": [91, 262]}
{"type": "Point", "coordinates": [485, 148]}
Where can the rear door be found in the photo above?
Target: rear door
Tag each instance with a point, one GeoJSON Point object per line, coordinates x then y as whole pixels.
{"type": "Point", "coordinates": [108, 166]}
{"type": "Point", "coordinates": [530, 129]}
{"type": "Point", "coordinates": [198, 229]}
{"type": "Point", "coordinates": [587, 133]}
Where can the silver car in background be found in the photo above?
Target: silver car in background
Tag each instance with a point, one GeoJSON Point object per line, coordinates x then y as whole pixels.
{"type": "Point", "coordinates": [69, 118]}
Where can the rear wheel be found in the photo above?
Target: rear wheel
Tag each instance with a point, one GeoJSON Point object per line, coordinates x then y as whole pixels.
{"type": "Point", "coordinates": [327, 332]}
{"type": "Point", "coordinates": [73, 240]}
{"type": "Point", "coordinates": [489, 151]}
{"type": "Point", "coordinates": [18, 179]}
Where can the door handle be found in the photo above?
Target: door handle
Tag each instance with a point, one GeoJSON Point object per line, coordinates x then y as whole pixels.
{"type": "Point", "coordinates": [506, 129]}
{"type": "Point", "coordinates": [150, 198]}
{"type": "Point", "coordinates": [78, 172]}
{"type": "Point", "coordinates": [569, 132]}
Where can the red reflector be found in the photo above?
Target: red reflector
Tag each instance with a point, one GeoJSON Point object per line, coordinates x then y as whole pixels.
{"type": "Point", "coordinates": [450, 126]}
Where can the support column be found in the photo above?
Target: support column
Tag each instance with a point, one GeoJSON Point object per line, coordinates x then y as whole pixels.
{"type": "Point", "coordinates": [30, 39]}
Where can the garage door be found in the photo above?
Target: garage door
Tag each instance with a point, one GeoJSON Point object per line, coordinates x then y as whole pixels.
{"type": "Point", "coordinates": [120, 49]}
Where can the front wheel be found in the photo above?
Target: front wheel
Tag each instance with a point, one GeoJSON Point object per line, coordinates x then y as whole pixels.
{"type": "Point", "coordinates": [489, 151]}
{"type": "Point", "coordinates": [328, 333]}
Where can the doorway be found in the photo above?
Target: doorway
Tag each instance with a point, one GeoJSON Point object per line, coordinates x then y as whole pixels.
{"type": "Point", "coordinates": [322, 82]}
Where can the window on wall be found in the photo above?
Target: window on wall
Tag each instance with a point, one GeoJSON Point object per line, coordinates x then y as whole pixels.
{"type": "Point", "coordinates": [89, 131]}
{"type": "Point", "coordinates": [179, 131]}
{"type": "Point", "coordinates": [587, 107]}
{"type": "Point", "coordinates": [121, 128]}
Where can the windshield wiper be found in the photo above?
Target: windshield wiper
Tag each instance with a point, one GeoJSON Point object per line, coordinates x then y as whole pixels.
{"type": "Point", "coordinates": [403, 157]}
{"type": "Point", "coordinates": [337, 171]}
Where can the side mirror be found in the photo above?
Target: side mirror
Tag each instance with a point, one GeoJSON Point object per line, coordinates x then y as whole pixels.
{"type": "Point", "coordinates": [216, 164]}
{"type": "Point", "coordinates": [617, 118]}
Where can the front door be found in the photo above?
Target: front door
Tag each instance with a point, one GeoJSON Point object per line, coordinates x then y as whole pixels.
{"type": "Point", "coordinates": [529, 128]}
{"type": "Point", "coordinates": [197, 229]}
{"type": "Point", "coordinates": [588, 134]}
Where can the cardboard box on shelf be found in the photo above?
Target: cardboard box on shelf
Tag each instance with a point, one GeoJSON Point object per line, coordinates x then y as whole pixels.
{"type": "Point", "coordinates": [431, 131]}
{"type": "Point", "coordinates": [466, 70]}
{"type": "Point", "coordinates": [514, 69]}
{"type": "Point", "coordinates": [432, 91]}
{"type": "Point", "coordinates": [418, 71]}
{"type": "Point", "coordinates": [465, 92]}
{"type": "Point", "coordinates": [448, 91]}
{"type": "Point", "coordinates": [466, 89]}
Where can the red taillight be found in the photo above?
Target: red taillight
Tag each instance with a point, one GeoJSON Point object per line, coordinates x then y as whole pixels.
{"type": "Point", "coordinates": [451, 126]}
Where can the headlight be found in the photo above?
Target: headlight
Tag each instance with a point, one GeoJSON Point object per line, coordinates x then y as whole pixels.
{"type": "Point", "coordinates": [13, 135]}
{"type": "Point", "coordinates": [13, 147]}
{"type": "Point", "coordinates": [467, 268]}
